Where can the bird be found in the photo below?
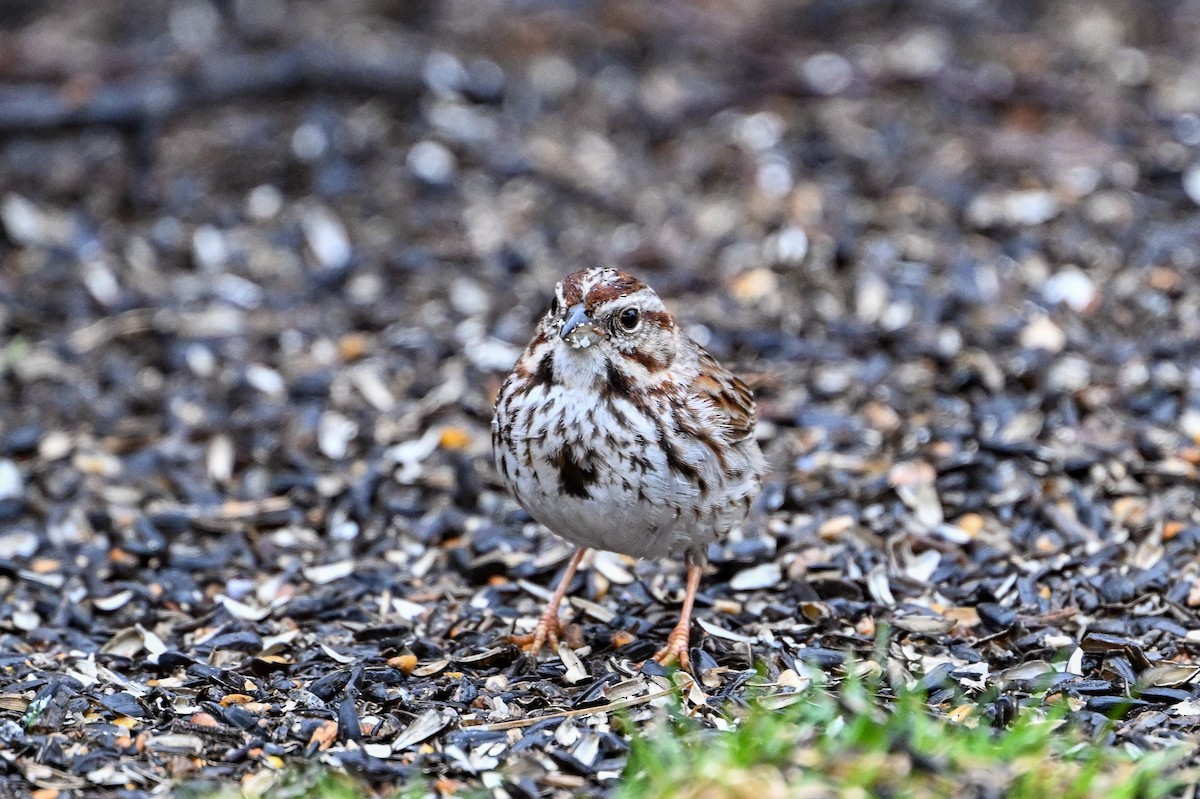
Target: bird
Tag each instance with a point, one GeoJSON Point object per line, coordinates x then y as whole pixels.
{"type": "Point", "coordinates": [617, 431]}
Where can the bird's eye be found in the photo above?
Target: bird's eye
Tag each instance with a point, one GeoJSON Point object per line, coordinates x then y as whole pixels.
{"type": "Point", "coordinates": [554, 307]}
{"type": "Point", "coordinates": [629, 319]}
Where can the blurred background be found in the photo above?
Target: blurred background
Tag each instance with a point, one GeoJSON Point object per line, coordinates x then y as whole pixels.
{"type": "Point", "coordinates": [798, 175]}
{"type": "Point", "coordinates": [221, 205]}
{"type": "Point", "coordinates": [263, 264]}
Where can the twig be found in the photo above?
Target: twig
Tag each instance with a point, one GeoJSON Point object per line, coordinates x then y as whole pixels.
{"type": "Point", "coordinates": [238, 510]}
{"type": "Point", "coordinates": [213, 322]}
{"type": "Point", "coordinates": [586, 711]}
{"type": "Point", "coordinates": [127, 323]}
{"type": "Point", "coordinates": [1051, 618]}
{"type": "Point", "coordinates": [234, 510]}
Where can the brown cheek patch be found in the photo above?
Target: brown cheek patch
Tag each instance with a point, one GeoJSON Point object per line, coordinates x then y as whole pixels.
{"type": "Point", "coordinates": [647, 360]}
{"type": "Point", "coordinates": [660, 319]}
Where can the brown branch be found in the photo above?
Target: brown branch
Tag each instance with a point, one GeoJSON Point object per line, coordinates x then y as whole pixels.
{"type": "Point", "coordinates": [149, 99]}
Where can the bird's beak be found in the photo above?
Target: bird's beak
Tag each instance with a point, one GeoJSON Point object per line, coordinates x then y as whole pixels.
{"type": "Point", "coordinates": [577, 329]}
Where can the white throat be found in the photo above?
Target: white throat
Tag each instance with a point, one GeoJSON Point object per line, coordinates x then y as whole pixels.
{"type": "Point", "coordinates": [580, 363]}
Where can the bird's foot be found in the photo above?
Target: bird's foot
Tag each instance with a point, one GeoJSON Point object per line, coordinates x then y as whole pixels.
{"type": "Point", "coordinates": [676, 650]}
{"type": "Point", "coordinates": [549, 627]}
{"type": "Point", "coordinates": [547, 631]}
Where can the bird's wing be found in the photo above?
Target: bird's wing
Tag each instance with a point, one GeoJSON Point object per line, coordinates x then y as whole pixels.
{"type": "Point", "coordinates": [729, 397]}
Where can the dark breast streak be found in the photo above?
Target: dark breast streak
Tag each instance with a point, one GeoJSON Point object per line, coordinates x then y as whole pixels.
{"type": "Point", "coordinates": [574, 477]}
{"type": "Point", "coordinates": [618, 383]}
{"type": "Point", "coordinates": [543, 375]}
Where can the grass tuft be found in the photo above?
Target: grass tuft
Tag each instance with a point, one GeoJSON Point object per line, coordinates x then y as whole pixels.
{"type": "Point", "coordinates": [849, 745]}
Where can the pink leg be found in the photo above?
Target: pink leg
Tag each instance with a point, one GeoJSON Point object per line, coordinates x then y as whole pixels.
{"type": "Point", "coordinates": [548, 625]}
{"type": "Point", "coordinates": [676, 650]}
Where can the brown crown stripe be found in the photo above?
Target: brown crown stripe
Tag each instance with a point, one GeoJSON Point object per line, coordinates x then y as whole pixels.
{"type": "Point", "coordinates": [620, 284]}
{"type": "Point", "coordinates": [572, 287]}
{"type": "Point", "coordinates": [616, 288]}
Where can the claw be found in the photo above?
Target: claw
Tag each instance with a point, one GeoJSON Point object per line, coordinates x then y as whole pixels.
{"type": "Point", "coordinates": [547, 629]}
{"type": "Point", "coordinates": [676, 650]}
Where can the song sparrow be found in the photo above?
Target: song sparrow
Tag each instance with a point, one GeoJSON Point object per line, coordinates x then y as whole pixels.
{"type": "Point", "coordinates": [617, 431]}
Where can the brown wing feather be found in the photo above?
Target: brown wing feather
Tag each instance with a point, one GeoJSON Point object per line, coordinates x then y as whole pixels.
{"type": "Point", "coordinates": [728, 394]}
